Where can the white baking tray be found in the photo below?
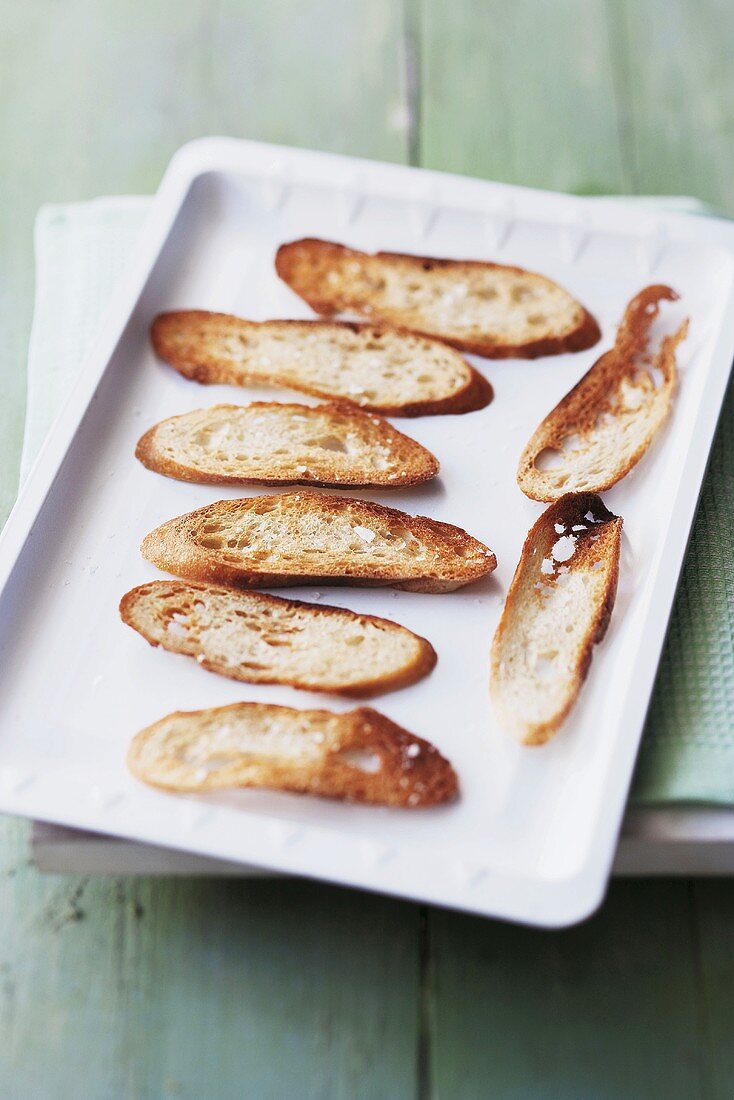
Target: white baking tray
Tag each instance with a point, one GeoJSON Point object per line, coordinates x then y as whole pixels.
{"type": "Point", "coordinates": [533, 834]}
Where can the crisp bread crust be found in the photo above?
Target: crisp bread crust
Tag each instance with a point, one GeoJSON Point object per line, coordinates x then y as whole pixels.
{"type": "Point", "coordinates": [412, 774]}
{"type": "Point", "coordinates": [600, 543]}
{"type": "Point", "coordinates": [598, 393]}
{"type": "Point", "coordinates": [173, 547]}
{"type": "Point", "coordinates": [161, 592]}
{"type": "Point", "coordinates": [417, 464]}
{"type": "Point", "coordinates": [210, 368]}
{"type": "Point", "coordinates": [295, 263]}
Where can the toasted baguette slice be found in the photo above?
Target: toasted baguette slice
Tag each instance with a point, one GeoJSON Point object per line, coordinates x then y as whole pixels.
{"type": "Point", "coordinates": [309, 538]}
{"type": "Point", "coordinates": [266, 640]}
{"type": "Point", "coordinates": [361, 756]}
{"type": "Point", "coordinates": [489, 309]}
{"type": "Point", "coordinates": [557, 609]}
{"type": "Point", "coordinates": [376, 368]}
{"type": "Point", "coordinates": [604, 425]}
{"type": "Point", "coordinates": [267, 443]}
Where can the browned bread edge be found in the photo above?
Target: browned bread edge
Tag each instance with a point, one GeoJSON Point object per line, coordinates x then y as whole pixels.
{"type": "Point", "coordinates": [424, 663]}
{"type": "Point", "coordinates": [406, 778]}
{"type": "Point", "coordinates": [209, 370]}
{"type": "Point", "coordinates": [569, 510]}
{"type": "Point", "coordinates": [170, 549]}
{"type": "Point", "coordinates": [577, 411]}
{"type": "Point", "coordinates": [584, 336]}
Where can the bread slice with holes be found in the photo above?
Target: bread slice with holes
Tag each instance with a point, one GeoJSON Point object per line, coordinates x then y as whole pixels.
{"type": "Point", "coordinates": [263, 639]}
{"type": "Point", "coordinates": [486, 308]}
{"type": "Point", "coordinates": [605, 424]}
{"type": "Point", "coordinates": [361, 756]}
{"type": "Point", "coordinates": [370, 366]}
{"type": "Point", "coordinates": [312, 538]}
{"type": "Point", "coordinates": [557, 609]}
{"type": "Point", "coordinates": [267, 443]}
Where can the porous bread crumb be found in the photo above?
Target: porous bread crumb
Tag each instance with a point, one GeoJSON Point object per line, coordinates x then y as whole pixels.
{"type": "Point", "coordinates": [299, 538]}
{"type": "Point", "coordinates": [486, 308]}
{"type": "Point", "coordinates": [553, 616]}
{"type": "Point", "coordinates": [377, 368]}
{"type": "Point", "coordinates": [305, 751]}
{"type": "Point", "coordinates": [264, 639]}
{"type": "Point", "coordinates": [277, 443]}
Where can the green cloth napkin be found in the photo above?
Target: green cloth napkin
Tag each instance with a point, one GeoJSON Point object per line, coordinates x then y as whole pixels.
{"type": "Point", "coordinates": [687, 754]}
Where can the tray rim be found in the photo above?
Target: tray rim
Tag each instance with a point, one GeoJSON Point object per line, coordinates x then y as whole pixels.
{"type": "Point", "coordinates": [549, 903]}
{"type": "Point", "coordinates": [684, 840]}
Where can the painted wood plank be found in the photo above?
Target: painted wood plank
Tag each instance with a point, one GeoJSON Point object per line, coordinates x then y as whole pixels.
{"type": "Point", "coordinates": [141, 989]}
{"type": "Point", "coordinates": [520, 92]}
{"type": "Point", "coordinates": [714, 911]}
{"type": "Point", "coordinates": [676, 86]}
{"type": "Point", "coordinates": [605, 1010]}
{"type": "Point", "coordinates": [98, 97]}
{"type": "Point", "coordinates": [152, 988]}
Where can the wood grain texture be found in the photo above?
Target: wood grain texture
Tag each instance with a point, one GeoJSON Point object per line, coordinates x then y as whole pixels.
{"type": "Point", "coordinates": [142, 989]}
{"type": "Point", "coordinates": [89, 108]}
{"type": "Point", "coordinates": [521, 92]}
{"type": "Point", "coordinates": [606, 1010]}
{"type": "Point", "coordinates": [675, 84]}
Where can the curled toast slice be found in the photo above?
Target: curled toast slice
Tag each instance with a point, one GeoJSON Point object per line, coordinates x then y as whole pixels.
{"type": "Point", "coordinates": [268, 443]}
{"type": "Point", "coordinates": [263, 639]}
{"type": "Point", "coordinates": [375, 368]}
{"type": "Point", "coordinates": [489, 309]}
{"type": "Point", "coordinates": [361, 756]}
{"type": "Point", "coordinates": [557, 609]}
{"type": "Point", "coordinates": [312, 538]}
{"type": "Point", "coordinates": [604, 425]}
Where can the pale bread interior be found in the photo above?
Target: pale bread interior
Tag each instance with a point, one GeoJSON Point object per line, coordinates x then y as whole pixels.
{"type": "Point", "coordinates": [279, 442]}
{"type": "Point", "coordinates": [344, 535]}
{"type": "Point", "coordinates": [476, 303]}
{"type": "Point", "coordinates": [556, 610]}
{"type": "Point", "coordinates": [541, 649]}
{"type": "Point", "coordinates": [360, 755]}
{"type": "Point", "coordinates": [602, 428]}
{"type": "Point", "coordinates": [594, 460]}
{"type": "Point", "coordinates": [366, 365]}
{"type": "Point", "coordinates": [258, 638]}
{"type": "Point", "coordinates": [233, 746]}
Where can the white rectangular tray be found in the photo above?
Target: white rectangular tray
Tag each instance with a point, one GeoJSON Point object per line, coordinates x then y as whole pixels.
{"type": "Point", "coordinates": [533, 835]}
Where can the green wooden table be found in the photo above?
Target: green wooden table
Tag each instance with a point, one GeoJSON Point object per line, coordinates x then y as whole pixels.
{"type": "Point", "coordinates": [142, 988]}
